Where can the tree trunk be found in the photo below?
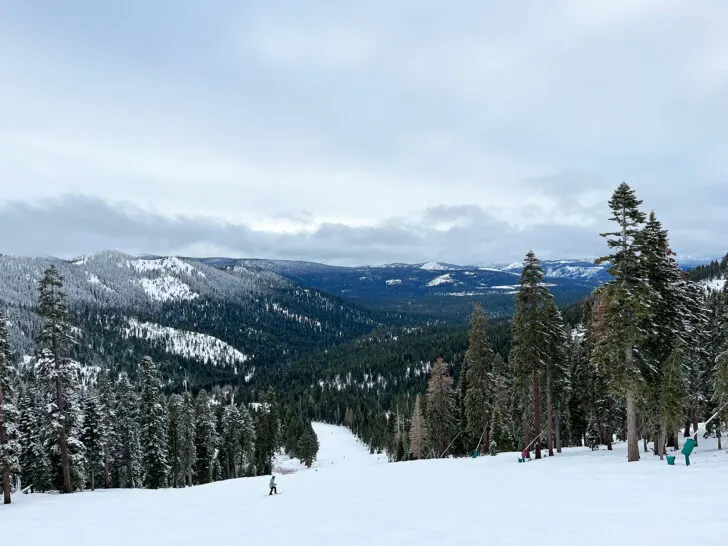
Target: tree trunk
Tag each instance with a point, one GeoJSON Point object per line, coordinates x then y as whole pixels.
{"type": "Point", "coordinates": [537, 412]}
{"type": "Point", "coordinates": [633, 450]}
{"type": "Point", "coordinates": [557, 417]}
{"type": "Point", "coordinates": [644, 444]}
{"type": "Point", "coordinates": [63, 440]}
{"type": "Point", "coordinates": [608, 438]}
{"type": "Point", "coordinates": [696, 412]}
{"type": "Point", "coordinates": [93, 481]}
{"type": "Point", "coordinates": [549, 419]}
{"type": "Point", "coordinates": [660, 447]}
{"type": "Point", "coordinates": [6, 488]}
{"type": "Point", "coordinates": [717, 435]}
{"type": "Point", "coordinates": [686, 434]}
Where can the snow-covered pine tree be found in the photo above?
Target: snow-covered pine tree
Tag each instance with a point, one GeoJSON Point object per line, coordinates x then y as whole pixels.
{"type": "Point", "coordinates": [628, 297]}
{"type": "Point", "coordinates": [530, 338]}
{"type": "Point", "coordinates": [556, 371]}
{"type": "Point", "coordinates": [593, 434]}
{"type": "Point", "coordinates": [187, 442]}
{"type": "Point", "coordinates": [153, 427]}
{"type": "Point", "coordinates": [9, 446]}
{"type": "Point", "coordinates": [501, 426]}
{"type": "Point", "coordinates": [308, 445]}
{"type": "Point", "coordinates": [672, 397]}
{"type": "Point", "coordinates": [206, 438]}
{"type": "Point", "coordinates": [34, 462]}
{"type": "Point", "coordinates": [175, 411]}
{"type": "Point", "coordinates": [417, 431]}
{"type": "Point", "coordinates": [107, 406]}
{"type": "Point", "coordinates": [231, 433]}
{"type": "Point", "coordinates": [93, 437]}
{"type": "Point", "coordinates": [57, 373]}
{"type": "Point", "coordinates": [267, 432]}
{"type": "Point", "coordinates": [440, 407]}
{"type": "Point", "coordinates": [127, 456]}
{"type": "Point", "coordinates": [479, 379]}
{"type": "Point", "coordinates": [247, 441]}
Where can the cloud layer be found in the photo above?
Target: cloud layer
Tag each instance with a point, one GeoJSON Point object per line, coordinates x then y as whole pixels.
{"type": "Point", "coordinates": [359, 132]}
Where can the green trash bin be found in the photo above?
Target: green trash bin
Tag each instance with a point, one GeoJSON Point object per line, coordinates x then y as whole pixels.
{"type": "Point", "coordinates": [687, 450]}
{"type": "Point", "coordinates": [671, 460]}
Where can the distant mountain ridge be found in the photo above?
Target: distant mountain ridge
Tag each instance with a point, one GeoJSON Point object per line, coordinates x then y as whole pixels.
{"type": "Point", "coordinates": [196, 319]}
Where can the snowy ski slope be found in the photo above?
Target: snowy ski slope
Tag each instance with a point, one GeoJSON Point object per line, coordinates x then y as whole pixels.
{"type": "Point", "coordinates": [353, 498]}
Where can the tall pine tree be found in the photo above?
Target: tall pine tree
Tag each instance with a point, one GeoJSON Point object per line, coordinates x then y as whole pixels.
{"type": "Point", "coordinates": [418, 431]}
{"type": "Point", "coordinates": [530, 337]}
{"type": "Point", "coordinates": [628, 299]}
{"type": "Point", "coordinates": [94, 437]}
{"type": "Point", "coordinates": [127, 452]}
{"type": "Point", "coordinates": [9, 446]}
{"type": "Point", "coordinates": [440, 407]}
{"type": "Point", "coordinates": [153, 427]}
{"type": "Point", "coordinates": [56, 371]}
{"type": "Point", "coordinates": [479, 380]}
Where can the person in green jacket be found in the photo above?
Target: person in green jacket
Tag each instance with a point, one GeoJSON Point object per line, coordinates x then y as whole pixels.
{"type": "Point", "coordinates": [273, 485]}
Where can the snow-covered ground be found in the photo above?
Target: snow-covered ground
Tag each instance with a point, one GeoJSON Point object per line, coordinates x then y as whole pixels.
{"type": "Point", "coordinates": [354, 498]}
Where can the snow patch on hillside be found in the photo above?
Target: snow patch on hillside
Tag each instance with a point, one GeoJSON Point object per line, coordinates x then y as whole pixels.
{"type": "Point", "coordinates": [573, 271]}
{"type": "Point", "coordinates": [167, 288]}
{"type": "Point", "coordinates": [192, 345]}
{"type": "Point", "coordinates": [394, 282]}
{"type": "Point", "coordinates": [435, 266]}
{"type": "Point", "coordinates": [171, 264]}
{"type": "Point", "coordinates": [277, 308]}
{"type": "Point", "coordinates": [94, 279]}
{"type": "Point", "coordinates": [442, 279]}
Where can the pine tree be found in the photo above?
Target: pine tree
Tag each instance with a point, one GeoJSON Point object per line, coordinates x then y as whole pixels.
{"type": "Point", "coordinates": [107, 406]}
{"type": "Point", "coordinates": [417, 431]}
{"type": "Point", "coordinates": [153, 427]}
{"type": "Point", "coordinates": [174, 450]}
{"type": "Point", "coordinates": [556, 371]}
{"type": "Point", "coordinates": [93, 437]}
{"type": "Point", "coordinates": [187, 439]}
{"type": "Point", "coordinates": [479, 379]}
{"type": "Point", "coordinates": [530, 337]}
{"type": "Point", "coordinates": [593, 434]}
{"type": "Point", "coordinates": [247, 441]}
{"type": "Point", "coordinates": [34, 460]}
{"type": "Point", "coordinates": [127, 456]}
{"type": "Point", "coordinates": [308, 445]}
{"type": "Point", "coordinates": [9, 446]}
{"type": "Point", "coordinates": [267, 432]}
{"type": "Point", "coordinates": [628, 299]}
{"type": "Point", "coordinates": [206, 439]}
{"type": "Point", "coordinates": [672, 397]}
{"type": "Point", "coordinates": [501, 427]}
{"type": "Point", "coordinates": [231, 433]}
{"type": "Point", "coordinates": [440, 407]}
{"type": "Point", "coordinates": [56, 371]}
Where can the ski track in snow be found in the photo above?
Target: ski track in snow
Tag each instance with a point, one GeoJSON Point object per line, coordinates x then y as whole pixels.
{"type": "Point", "coordinates": [354, 498]}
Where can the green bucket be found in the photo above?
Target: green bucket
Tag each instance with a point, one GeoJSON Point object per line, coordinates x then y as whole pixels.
{"type": "Point", "coordinates": [671, 460]}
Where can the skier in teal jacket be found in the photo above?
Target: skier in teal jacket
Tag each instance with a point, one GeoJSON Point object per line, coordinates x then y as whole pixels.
{"type": "Point", "coordinates": [273, 485]}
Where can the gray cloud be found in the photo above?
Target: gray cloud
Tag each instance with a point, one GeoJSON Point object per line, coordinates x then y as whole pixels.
{"type": "Point", "coordinates": [78, 224]}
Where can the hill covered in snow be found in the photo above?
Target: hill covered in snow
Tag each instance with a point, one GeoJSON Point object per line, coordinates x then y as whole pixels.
{"type": "Point", "coordinates": [354, 498]}
{"type": "Point", "coordinates": [203, 322]}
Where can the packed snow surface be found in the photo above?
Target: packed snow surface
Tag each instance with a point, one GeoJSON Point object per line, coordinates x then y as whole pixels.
{"type": "Point", "coordinates": [351, 497]}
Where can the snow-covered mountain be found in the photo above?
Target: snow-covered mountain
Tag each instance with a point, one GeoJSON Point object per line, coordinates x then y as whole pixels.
{"type": "Point", "coordinates": [196, 318]}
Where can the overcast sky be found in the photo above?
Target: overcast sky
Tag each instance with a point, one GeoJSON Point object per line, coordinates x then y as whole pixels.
{"type": "Point", "coordinates": [359, 132]}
